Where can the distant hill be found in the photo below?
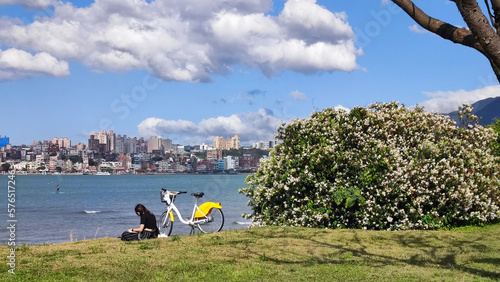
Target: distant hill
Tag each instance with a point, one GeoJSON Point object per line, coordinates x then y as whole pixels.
{"type": "Point", "coordinates": [487, 110]}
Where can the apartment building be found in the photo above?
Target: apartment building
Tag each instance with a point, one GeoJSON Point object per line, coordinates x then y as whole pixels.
{"type": "Point", "coordinates": [231, 143]}
{"type": "Point", "coordinates": [61, 142]}
{"type": "Point", "coordinates": [103, 141]}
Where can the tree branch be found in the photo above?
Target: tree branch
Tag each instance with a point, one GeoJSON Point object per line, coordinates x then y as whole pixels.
{"type": "Point", "coordinates": [489, 12]}
{"type": "Point", "coordinates": [481, 36]}
{"type": "Point", "coordinates": [445, 30]}
{"type": "Point", "coordinates": [495, 4]}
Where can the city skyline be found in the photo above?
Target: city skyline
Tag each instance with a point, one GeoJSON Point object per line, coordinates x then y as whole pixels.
{"type": "Point", "coordinates": [108, 153]}
{"type": "Point", "coordinates": [191, 71]}
{"type": "Point", "coordinates": [153, 143]}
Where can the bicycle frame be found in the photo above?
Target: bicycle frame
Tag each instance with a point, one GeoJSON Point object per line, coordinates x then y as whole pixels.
{"type": "Point", "coordinates": [199, 214]}
{"type": "Point", "coordinates": [202, 216]}
{"type": "Point", "coordinates": [191, 221]}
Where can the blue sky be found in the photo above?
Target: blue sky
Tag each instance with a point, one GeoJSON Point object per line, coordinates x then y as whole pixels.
{"type": "Point", "coordinates": [192, 70]}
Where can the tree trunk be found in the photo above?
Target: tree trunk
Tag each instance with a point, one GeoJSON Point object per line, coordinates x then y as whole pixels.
{"type": "Point", "coordinates": [496, 70]}
{"type": "Point", "coordinates": [480, 27]}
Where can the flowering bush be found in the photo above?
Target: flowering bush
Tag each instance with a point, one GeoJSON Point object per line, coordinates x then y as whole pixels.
{"type": "Point", "coordinates": [381, 167]}
{"type": "Point", "coordinates": [496, 127]}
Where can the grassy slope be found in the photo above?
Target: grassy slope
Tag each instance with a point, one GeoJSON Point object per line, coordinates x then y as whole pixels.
{"type": "Point", "coordinates": [270, 254]}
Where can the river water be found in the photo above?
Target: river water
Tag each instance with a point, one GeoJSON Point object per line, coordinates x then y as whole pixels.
{"type": "Point", "coordinates": [88, 207]}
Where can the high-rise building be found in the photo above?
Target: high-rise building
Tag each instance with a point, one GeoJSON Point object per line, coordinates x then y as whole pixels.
{"type": "Point", "coordinates": [142, 146]}
{"type": "Point", "coordinates": [167, 144]}
{"type": "Point", "coordinates": [103, 141]}
{"type": "Point", "coordinates": [121, 144]}
{"type": "Point", "coordinates": [131, 145]}
{"type": "Point", "coordinates": [111, 141]}
{"type": "Point", "coordinates": [4, 141]}
{"type": "Point", "coordinates": [231, 162]}
{"type": "Point", "coordinates": [219, 143]}
{"type": "Point", "coordinates": [231, 143]}
{"type": "Point", "coordinates": [61, 142]}
{"type": "Point", "coordinates": [93, 143]}
{"type": "Point", "coordinates": [155, 144]}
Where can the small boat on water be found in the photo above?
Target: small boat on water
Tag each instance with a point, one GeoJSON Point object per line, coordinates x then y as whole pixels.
{"type": "Point", "coordinates": [102, 173]}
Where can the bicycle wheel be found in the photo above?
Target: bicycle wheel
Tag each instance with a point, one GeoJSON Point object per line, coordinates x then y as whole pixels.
{"type": "Point", "coordinates": [215, 222]}
{"type": "Point", "coordinates": [165, 224]}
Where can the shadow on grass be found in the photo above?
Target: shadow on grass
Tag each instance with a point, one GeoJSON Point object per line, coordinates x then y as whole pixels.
{"type": "Point", "coordinates": [433, 252]}
{"type": "Point", "coordinates": [494, 261]}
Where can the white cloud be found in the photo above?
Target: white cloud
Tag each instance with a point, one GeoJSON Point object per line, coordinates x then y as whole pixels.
{"type": "Point", "coordinates": [29, 3]}
{"type": "Point", "coordinates": [341, 108]}
{"type": "Point", "coordinates": [18, 64]}
{"type": "Point", "coordinates": [250, 127]}
{"type": "Point", "coordinates": [156, 127]}
{"type": "Point", "coordinates": [189, 40]}
{"type": "Point", "coordinates": [310, 22]}
{"type": "Point", "coordinates": [415, 28]}
{"type": "Point", "coordinates": [297, 95]}
{"type": "Point", "coordinates": [449, 101]}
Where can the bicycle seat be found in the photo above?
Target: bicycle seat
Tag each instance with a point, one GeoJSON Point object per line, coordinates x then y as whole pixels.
{"type": "Point", "coordinates": [198, 195]}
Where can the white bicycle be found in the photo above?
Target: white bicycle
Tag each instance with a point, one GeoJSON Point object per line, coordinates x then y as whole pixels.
{"type": "Point", "coordinates": [207, 217]}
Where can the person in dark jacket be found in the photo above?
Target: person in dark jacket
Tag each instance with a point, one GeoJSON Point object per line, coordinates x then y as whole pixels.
{"type": "Point", "coordinates": [147, 228]}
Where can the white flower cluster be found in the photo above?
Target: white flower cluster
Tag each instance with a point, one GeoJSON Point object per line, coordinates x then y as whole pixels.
{"type": "Point", "coordinates": [381, 167]}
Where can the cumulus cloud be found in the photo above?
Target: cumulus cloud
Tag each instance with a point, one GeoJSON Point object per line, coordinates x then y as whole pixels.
{"type": "Point", "coordinates": [18, 64]}
{"type": "Point", "coordinates": [297, 95]}
{"type": "Point", "coordinates": [156, 126]}
{"type": "Point", "coordinates": [29, 3]}
{"type": "Point", "coordinates": [250, 127]}
{"type": "Point", "coordinates": [310, 22]}
{"type": "Point", "coordinates": [449, 101]}
{"type": "Point", "coordinates": [188, 40]}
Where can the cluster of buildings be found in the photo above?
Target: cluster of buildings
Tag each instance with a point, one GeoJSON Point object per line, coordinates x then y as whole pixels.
{"type": "Point", "coordinates": [108, 153]}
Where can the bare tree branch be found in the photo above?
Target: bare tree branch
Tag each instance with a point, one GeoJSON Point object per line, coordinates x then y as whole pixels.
{"type": "Point", "coordinates": [495, 4]}
{"type": "Point", "coordinates": [489, 12]}
{"type": "Point", "coordinates": [481, 36]}
{"type": "Point", "coordinates": [445, 30]}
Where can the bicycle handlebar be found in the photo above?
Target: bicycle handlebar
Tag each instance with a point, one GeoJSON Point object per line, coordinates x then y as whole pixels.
{"type": "Point", "coordinates": [174, 192]}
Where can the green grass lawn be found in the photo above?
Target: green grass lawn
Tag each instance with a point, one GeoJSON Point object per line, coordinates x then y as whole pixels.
{"type": "Point", "coordinates": [269, 254]}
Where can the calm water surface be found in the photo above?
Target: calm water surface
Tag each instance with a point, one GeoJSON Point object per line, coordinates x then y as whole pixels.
{"type": "Point", "coordinates": [88, 207]}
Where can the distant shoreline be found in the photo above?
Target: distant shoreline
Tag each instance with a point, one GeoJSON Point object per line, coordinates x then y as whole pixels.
{"type": "Point", "coordinates": [122, 174]}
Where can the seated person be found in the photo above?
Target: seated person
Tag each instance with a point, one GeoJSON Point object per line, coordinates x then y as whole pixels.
{"type": "Point", "coordinates": [146, 230]}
